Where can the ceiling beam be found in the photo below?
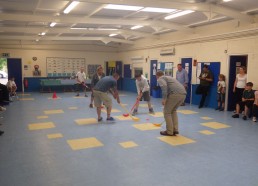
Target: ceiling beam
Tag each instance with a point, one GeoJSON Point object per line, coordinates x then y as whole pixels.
{"type": "Point", "coordinates": [45, 38]}
{"type": "Point", "coordinates": [202, 7]}
{"type": "Point", "coordinates": [87, 20]}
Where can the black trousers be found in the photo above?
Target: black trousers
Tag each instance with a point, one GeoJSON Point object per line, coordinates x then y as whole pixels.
{"type": "Point", "coordinates": [203, 90]}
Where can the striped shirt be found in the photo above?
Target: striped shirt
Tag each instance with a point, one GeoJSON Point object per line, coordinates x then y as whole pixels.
{"type": "Point", "coordinates": [170, 85]}
{"type": "Point", "coordinates": [106, 83]}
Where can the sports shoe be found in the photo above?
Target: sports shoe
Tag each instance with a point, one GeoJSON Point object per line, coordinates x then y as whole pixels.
{"type": "Point", "coordinates": [77, 95]}
{"type": "Point", "coordinates": [86, 95]}
{"type": "Point", "coordinates": [235, 116]}
{"type": "Point", "coordinates": [217, 108]}
{"type": "Point", "coordinates": [244, 118]}
{"type": "Point", "coordinates": [134, 112]}
{"type": "Point", "coordinates": [222, 109]}
{"type": "Point", "coordinates": [176, 132]}
{"type": "Point", "coordinates": [100, 119]}
{"type": "Point", "coordinates": [91, 106]}
{"type": "Point", "coordinates": [254, 119]}
{"type": "Point", "coordinates": [110, 119]}
{"type": "Point", "coordinates": [151, 111]}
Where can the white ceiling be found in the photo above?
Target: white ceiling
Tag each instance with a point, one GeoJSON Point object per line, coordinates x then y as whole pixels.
{"type": "Point", "coordinates": [23, 20]}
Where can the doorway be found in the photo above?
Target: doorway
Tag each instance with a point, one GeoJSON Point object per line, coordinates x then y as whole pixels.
{"type": "Point", "coordinates": [235, 62]}
{"type": "Point", "coordinates": [14, 68]}
{"type": "Point", "coordinates": [187, 65]}
{"type": "Point", "coordinates": [3, 71]}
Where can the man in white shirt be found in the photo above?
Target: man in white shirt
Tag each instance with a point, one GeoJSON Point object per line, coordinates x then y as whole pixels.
{"type": "Point", "coordinates": [143, 90]}
{"type": "Point", "coordinates": [81, 79]}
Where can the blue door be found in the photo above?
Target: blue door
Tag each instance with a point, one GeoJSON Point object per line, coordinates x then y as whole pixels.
{"type": "Point", "coordinates": [153, 70]}
{"type": "Point", "coordinates": [14, 67]}
{"type": "Point", "coordinates": [234, 63]}
{"type": "Point", "coordinates": [187, 65]}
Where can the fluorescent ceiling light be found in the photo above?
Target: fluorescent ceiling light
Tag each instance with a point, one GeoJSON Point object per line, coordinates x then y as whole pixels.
{"type": "Point", "coordinates": [79, 28]}
{"type": "Point", "coordinates": [158, 10]}
{"type": "Point", "coordinates": [71, 6]}
{"type": "Point", "coordinates": [136, 27]}
{"type": "Point", "coordinates": [178, 14]}
{"type": "Point", "coordinates": [123, 7]}
{"type": "Point", "coordinates": [102, 29]}
{"type": "Point", "coordinates": [52, 24]}
{"type": "Point", "coordinates": [111, 35]}
{"type": "Point", "coordinates": [107, 29]}
{"type": "Point", "coordinates": [226, 0]}
{"type": "Point", "coordinates": [42, 33]}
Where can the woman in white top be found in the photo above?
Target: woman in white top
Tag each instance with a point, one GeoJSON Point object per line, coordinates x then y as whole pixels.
{"type": "Point", "coordinates": [239, 85]}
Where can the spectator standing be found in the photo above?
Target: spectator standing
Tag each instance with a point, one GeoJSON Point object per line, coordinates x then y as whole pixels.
{"type": "Point", "coordinates": [221, 90]}
{"type": "Point", "coordinates": [206, 79]}
{"type": "Point", "coordinates": [182, 77]}
{"type": "Point", "coordinates": [239, 84]}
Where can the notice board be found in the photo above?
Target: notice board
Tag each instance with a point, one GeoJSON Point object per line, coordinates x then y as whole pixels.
{"type": "Point", "coordinates": [64, 67]}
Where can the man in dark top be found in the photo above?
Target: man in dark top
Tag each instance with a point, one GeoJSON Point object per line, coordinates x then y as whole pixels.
{"type": "Point", "coordinates": [95, 78]}
{"type": "Point", "coordinates": [206, 79]}
{"type": "Point", "coordinates": [104, 85]}
{"type": "Point", "coordinates": [247, 101]}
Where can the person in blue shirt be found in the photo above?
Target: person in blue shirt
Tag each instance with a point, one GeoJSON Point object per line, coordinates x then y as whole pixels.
{"type": "Point", "coordinates": [104, 85]}
{"type": "Point", "coordinates": [182, 77]}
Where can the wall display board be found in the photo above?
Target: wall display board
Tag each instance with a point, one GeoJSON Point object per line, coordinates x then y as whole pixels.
{"type": "Point", "coordinates": [91, 70]}
{"type": "Point", "coordinates": [64, 67]}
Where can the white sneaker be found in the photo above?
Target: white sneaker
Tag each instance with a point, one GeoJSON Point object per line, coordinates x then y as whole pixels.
{"type": "Point", "coordinates": [254, 119]}
{"type": "Point", "coordinates": [2, 109]}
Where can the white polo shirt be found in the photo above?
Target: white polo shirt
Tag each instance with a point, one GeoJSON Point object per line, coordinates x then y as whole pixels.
{"type": "Point", "coordinates": [81, 76]}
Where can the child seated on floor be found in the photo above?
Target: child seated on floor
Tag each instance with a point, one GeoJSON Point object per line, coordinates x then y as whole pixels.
{"type": "Point", "coordinates": [255, 106]}
{"type": "Point", "coordinates": [247, 101]}
{"type": "Point", "coordinates": [11, 86]}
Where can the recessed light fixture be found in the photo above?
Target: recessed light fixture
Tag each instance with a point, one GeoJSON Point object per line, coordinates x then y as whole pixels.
{"type": "Point", "coordinates": [123, 7]}
{"type": "Point", "coordinates": [52, 24]}
{"type": "Point", "coordinates": [158, 10]}
{"type": "Point", "coordinates": [107, 29]}
{"type": "Point", "coordinates": [111, 35]}
{"type": "Point", "coordinates": [136, 27]}
{"type": "Point", "coordinates": [79, 28]}
{"type": "Point", "coordinates": [178, 14]}
{"type": "Point", "coordinates": [42, 34]}
{"type": "Point", "coordinates": [71, 6]}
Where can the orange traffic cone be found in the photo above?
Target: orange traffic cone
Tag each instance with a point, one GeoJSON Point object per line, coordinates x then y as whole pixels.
{"type": "Point", "coordinates": [54, 95]}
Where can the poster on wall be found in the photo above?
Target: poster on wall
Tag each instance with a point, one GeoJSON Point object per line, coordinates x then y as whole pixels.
{"type": "Point", "coordinates": [64, 67]}
{"type": "Point", "coordinates": [91, 70]}
{"type": "Point", "coordinates": [36, 72]}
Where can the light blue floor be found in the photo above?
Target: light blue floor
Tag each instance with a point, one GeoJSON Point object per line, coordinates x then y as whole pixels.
{"type": "Point", "coordinates": [29, 158]}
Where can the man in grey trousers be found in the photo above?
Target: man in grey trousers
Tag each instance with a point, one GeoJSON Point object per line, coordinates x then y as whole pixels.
{"type": "Point", "coordinates": [173, 95]}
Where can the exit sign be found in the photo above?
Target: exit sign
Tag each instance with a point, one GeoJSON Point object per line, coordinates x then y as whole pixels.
{"type": "Point", "coordinates": [5, 55]}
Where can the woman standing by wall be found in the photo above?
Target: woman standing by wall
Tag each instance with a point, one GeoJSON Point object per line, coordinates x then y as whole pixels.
{"type": "Point", "coordinates": [239, 85]}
